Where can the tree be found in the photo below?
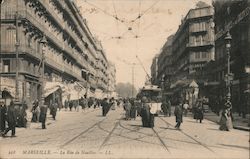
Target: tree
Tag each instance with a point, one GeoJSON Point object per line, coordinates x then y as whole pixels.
{"type": "Point", "coordinates": [125, 90]}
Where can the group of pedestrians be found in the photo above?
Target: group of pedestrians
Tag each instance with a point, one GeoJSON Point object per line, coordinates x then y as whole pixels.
{"type": "Point", "coordinates": [12, 117]}
{"type": "Point", "coordinates": [130, 109]}
{"type": "Point", "coordinates": [8, 115]}
{"type": "Point", "coordinates": [39, 113]}
{"type": "Point", "coordinates": [182, 108]}
{"type": "Point", "coordinates": [108, 104]}
{"type": "Point", "coordinates": [83, 103]}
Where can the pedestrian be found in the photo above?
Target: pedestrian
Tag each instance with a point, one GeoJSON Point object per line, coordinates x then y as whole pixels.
{"type": "Point", "coordinates": [66, 104]}
{"type": "Point", "coordinates": [127, 106]}
{"type": "Point", "coordinates": [3, 116]}
{"type": "Point", "coordinates": [164, 107]}
{"type": "Point", "coordinates": [43, 116]}
{"type": "Point", "coordinates": [105, 106]}
{"type": "Point", "coordinates": [185, 108]}
{"type": "Point", "coordinates": [112, 103]}
{"type": "Point", "coordinates": [199, 111]}
{"type": "Point", "coordinates": [226, 118]}
{"type": "Point", "coordinates": [11, 119]}
{"type": "Point", "coordinates": [70, 105]}
{"type": "Point", "coordinates": [90, 102]}
{"type": "Point", "coordinates": [54, 110]}
{"type": "Point", "coordinates": [133, 109]}
{"type": "Point", "coordinates": [178, 115]}
{"type": "Point", "coordinates": [145, 112]}
{"type": "Point", "coordinates": [35, 111]}
{"type": "Point", "coordinates": [168, 107]}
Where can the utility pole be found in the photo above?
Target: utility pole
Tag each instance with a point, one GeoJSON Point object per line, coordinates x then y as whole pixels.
{"type": "Point", "coordinates": [133, 80]}
{"type": "Point", "coordinates": [43, 43]}
{"type": "Point", "coordinates": [17, 56]}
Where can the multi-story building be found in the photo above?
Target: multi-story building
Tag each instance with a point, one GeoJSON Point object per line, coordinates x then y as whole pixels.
{"type": "Point", "coordinates": [112, 79]}
{"type": "Point", "coordinates": [71, 53]}
{"type": "Point", "coordinates": [232, 16]}
{"type": "Point", "coordinates": [165, 64]}
{"type": "Point", "coordinates": [186, 52]}
{"type": "Point", "coordinates": [154, 70]}
{"type": "Point", "coordinates": [193, 43]}
{"type": "Point", "coordinates": [101, 72]}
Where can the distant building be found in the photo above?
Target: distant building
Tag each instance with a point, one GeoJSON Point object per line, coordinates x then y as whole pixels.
{"type": "Point", "coordinates": [71, 52]}
{"type": "Point", "coordinates": [112, 79]}
{"type": "Point", "coordinates": [165, 64]}
{"type": "Point", "coordinates": [154, 70]}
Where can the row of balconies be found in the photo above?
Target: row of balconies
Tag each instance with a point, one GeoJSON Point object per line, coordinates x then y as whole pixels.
{"type": "Point", "coordinates": [70, 32]}
{"type": "Point", "coordinates": [92, 50]}
{"type": "Point", "coordinates": [61, 67]}
{"type": "Point", "coordinates": [77, 39]}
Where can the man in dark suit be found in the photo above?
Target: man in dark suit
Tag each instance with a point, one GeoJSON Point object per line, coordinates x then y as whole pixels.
{"type": "Point", "coordinates": [3, 115]}
{"type": "Point", "coordinates": [11, 119]}
{"type": "Point", "coordinates": [43, 115]}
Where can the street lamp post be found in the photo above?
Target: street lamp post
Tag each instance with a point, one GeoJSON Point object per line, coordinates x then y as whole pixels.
{"type": "Point", "coordinates": [43, 43]}
{"type": "Point", "coordinates": [229, 76]}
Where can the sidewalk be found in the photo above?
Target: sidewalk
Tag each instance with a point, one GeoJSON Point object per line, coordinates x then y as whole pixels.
{"type": "Point", "coordinates": [238, 123]}
{"type": "Point", "coordinates": [50, 120]}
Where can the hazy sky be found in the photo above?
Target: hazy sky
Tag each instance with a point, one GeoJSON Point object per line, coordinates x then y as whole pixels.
{"type": "Point", "coordinates": [159, 19]}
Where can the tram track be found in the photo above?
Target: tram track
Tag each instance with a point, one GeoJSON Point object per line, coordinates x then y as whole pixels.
{"type": "Point", "coordinates": [200, 143]}
{"type": "Point", "coordinates": [160, 139]}
{"type": "Point", "coordinates": [81, 133]}
{"type": "Point", "coordinates": [97, 124]}
{"type": "Point", "coordinates": [109, 135]}
{"type": "Point", "coordinates": [130, 138]}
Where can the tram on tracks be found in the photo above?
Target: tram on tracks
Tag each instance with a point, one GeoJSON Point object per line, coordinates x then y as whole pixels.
{"type": "Point", "coordinates": [154, 96]}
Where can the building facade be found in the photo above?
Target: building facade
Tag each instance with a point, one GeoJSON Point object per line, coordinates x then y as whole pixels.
{"type": "Point", "coordinates": [185, 53]}
{"type": "Point", "coordinates": [232, 16]}
{"type": "Point", "coordinates": [112, 80]}
{"type": "Point", "coordinates": [165, 64]}
{"type": "Point", "coordinates": [154, 70]}
{"type": "Point", "coordinates": [71, 53]}
{"type": "Point", "coordinates": [193, 43]}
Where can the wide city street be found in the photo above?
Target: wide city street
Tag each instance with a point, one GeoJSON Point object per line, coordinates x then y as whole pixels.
{"type": "Point", "coordinates": [90, 135]}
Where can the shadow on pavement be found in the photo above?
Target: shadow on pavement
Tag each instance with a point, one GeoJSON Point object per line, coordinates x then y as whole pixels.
{"type": "Point", "coordinates": [168, 128]}
{"type": "Point", "coordinates": [236, 146]}
{"type": "Point", "coordinates": [213, 129]}
{"type": "Point", "coordinates": [136, 125]}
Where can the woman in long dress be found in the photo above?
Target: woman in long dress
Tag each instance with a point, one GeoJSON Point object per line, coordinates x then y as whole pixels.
{"type": "Point", "coordinates": [145, 113]}
{"type": "Point", "coordinates": [226, 117]}
{"type": "Point", "coordinates": [127, 109]}
{"type": "Point", "coordinates": [133, 110]}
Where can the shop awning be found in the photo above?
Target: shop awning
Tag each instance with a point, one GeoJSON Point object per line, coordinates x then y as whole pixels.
{"type": "Point", "coordinates": [47, 92]}
{"type": "Point", "coordinates": [50, 87]}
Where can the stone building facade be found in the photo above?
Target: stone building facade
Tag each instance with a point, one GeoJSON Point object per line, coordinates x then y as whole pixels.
{"type": "Point", "coordinates": [71, 54]}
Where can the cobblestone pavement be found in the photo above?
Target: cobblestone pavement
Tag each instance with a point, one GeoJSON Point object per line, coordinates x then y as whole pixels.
{"type": "Point", "coordinates": [89, 135]}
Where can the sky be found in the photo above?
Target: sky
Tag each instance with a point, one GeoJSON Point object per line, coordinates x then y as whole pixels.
{"type": "Point", "coordinates": [124, 36]}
